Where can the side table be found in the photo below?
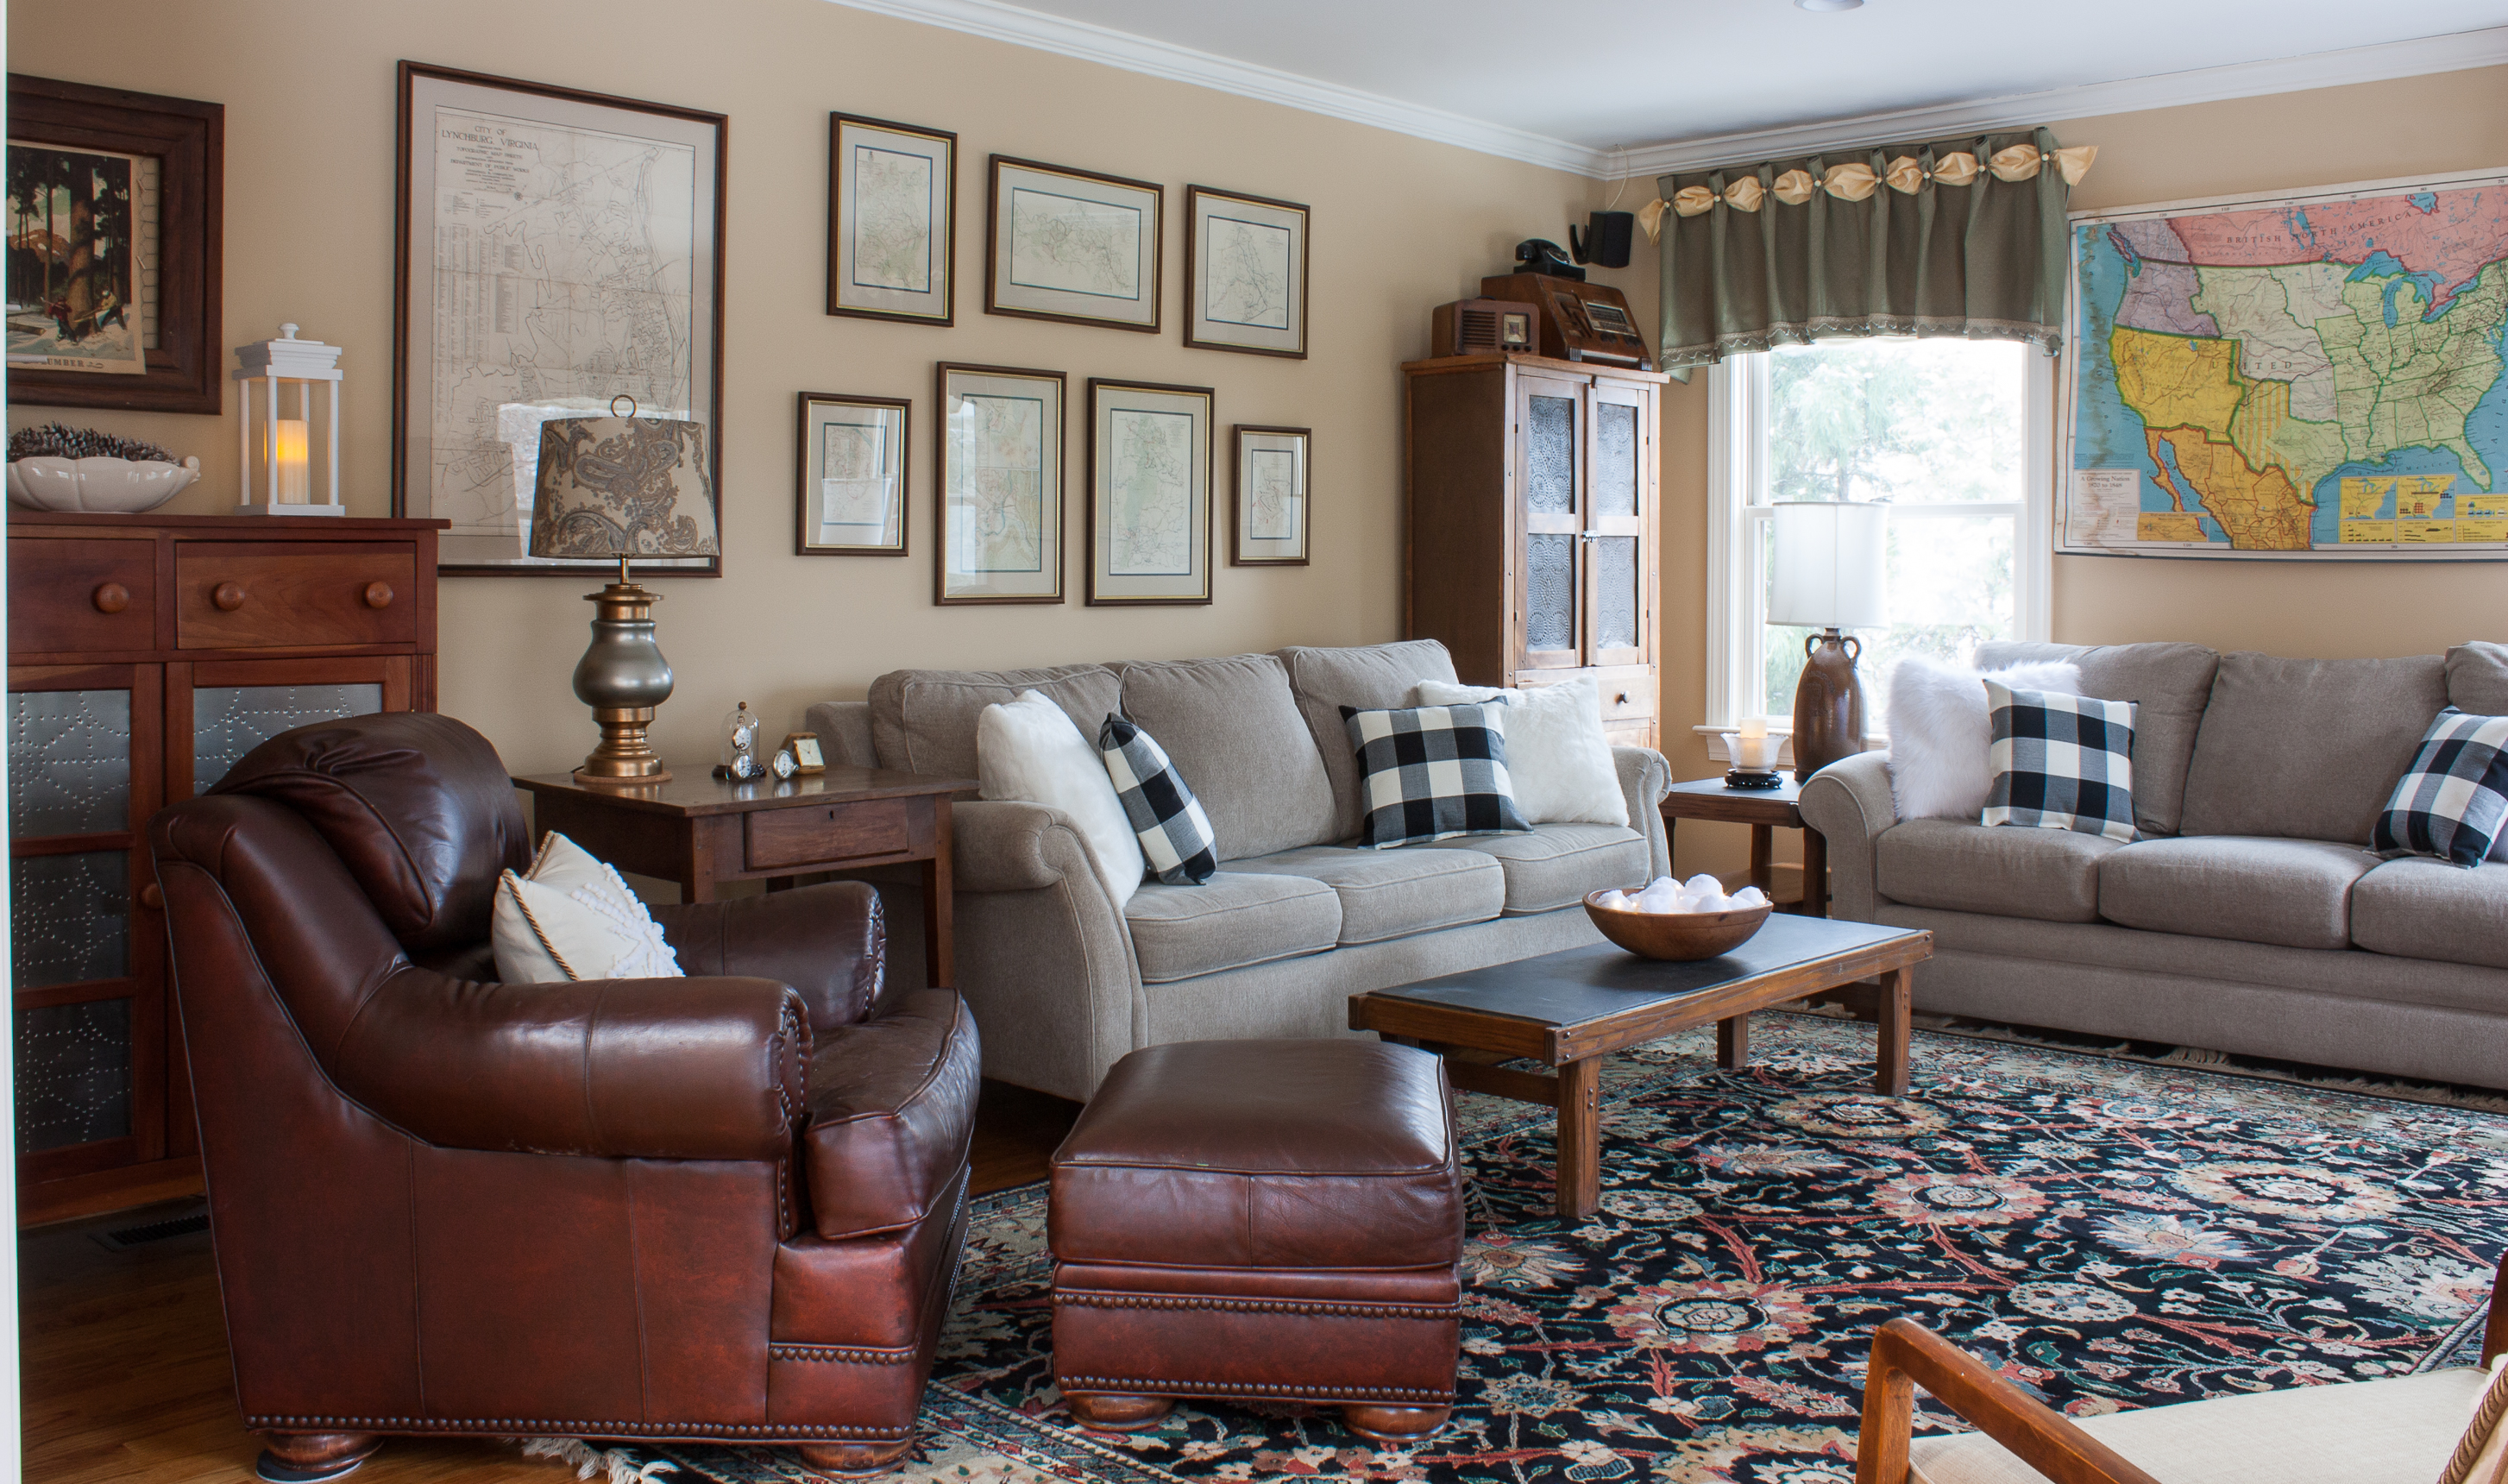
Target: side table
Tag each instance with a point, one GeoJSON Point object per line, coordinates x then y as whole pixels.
{"type": "Point", "coordinates": [701, 831]}
{"type": "Point", "coordinates": [1763, 810]}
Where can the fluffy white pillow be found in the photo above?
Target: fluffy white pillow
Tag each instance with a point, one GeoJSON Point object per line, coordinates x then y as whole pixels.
{"type": "Point", "coordinates": [1556, 753]}
{"type": "Point", "coordinates": [570, 916]}
{"type": "Point", "coordinates": [1940, 733]}
{"type": "Point", "coordinates": [1029, 749]}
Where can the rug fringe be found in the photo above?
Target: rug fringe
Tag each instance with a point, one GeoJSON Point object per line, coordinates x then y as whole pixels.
{"type": "Point", "coordinates": [617, 1465]}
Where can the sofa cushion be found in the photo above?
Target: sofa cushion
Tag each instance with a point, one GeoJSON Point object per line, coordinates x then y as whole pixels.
{"type": "Point", "coordinates": [2477, 677]}
{"type": "Point", "coordinates": [1234, 919]}
{"type": "Point", "coordinates": [1365, 677]}
{"type": "Point", "coordinates": [1233, 730]}
{"type": "Point", "coordinates": [2169, 686]}
{"type": "Point", "coordinates": [2249, 888]}
{"type": "Point", "coordinates": [924, 721]}
{"type": "Point", "coordinates": [1392, 893]}
{"type": "Point", "coordinates": [2049, 875]}
{"type": "Point", "coordinates": [2307, 749]}
{"type": "Point", "coordinates": [2395, 1430]}
{"type": "Point", "coordinates": [1555, 864]}
{"type": "Point", "coordinates": [2426, 909]}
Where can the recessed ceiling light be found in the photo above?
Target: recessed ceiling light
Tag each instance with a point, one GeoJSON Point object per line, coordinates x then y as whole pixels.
{"type": "Point", "coordinates": [1828, 5]}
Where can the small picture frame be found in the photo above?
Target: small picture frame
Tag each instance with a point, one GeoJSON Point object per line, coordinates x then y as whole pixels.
{"type": "Point", "coordinates": [1245, 274]}
{"type": "Point", "coordinates": [850, 466]}
{"type": "Point", "coordinates": [1072, 245]}
{"type": "Point", "coordinates": [891, 220]}
{"type": "Point", "coordinates": [998, 500]}
{"type": "Point", "coordinates": [1269, 525]}
{"type": "Point", "coordinates": [1149, 494]}
{"type": "Point", "coordinates": [807, 756]}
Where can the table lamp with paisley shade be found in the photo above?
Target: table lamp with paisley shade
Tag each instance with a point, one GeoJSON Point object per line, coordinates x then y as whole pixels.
{"type": "Point", "coordinates": [1828, 569]}
{"type": "Point", "coordinates": [623, 488]}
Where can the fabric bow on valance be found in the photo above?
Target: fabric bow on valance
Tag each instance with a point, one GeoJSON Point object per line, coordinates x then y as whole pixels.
{"type": "Point", "coordinates": [1967, 239]}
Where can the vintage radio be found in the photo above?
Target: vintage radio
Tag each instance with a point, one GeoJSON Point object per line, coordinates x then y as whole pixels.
{"type": "Point", "coordinates": [1477, 327]}
{"type": "Point", "coordinates": [1579, 320]}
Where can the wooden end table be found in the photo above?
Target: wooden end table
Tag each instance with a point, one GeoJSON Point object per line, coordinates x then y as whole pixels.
{"type": "Point", "coordinates": [1764, 810]}
{"type": "Point", "coordinates": [701, 831]}
{"type": "Point", "coordinates": [1570, 1008]}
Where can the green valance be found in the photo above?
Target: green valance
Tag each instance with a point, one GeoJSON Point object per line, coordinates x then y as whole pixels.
{"type": "Point", "coordinates": [1963, 238]}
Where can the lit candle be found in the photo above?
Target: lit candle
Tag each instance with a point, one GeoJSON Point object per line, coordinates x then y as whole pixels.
{"type": "Point", "coordinates": [1755, 726]}
{"type": "Point", "coordinates": [288, 455]}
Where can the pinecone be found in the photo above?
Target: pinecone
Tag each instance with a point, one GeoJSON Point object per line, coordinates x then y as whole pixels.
{"type": "Point", "coordinates": [54, 440]}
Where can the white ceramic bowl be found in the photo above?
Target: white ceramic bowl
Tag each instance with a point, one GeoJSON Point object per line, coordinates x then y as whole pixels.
{"type": "Point", "coordinates": [97, 486]}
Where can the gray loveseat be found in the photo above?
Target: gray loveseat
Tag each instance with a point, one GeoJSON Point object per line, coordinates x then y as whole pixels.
{"type": "Point", "coordinates": [2251, 916]}
{"type": "Point", "coordinates": [1064, 985]}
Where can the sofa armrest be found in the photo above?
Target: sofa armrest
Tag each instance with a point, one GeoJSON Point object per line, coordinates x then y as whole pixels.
{"type": "Point", "coordinates": [844, 732]}
{"type": "Point", "coordinates": [635, 1068]}
{"type": "Point", "coordinates": [1009, 844]}
{"type": "Point", "coordinates": [1644, 778]}
{"type": "Point", "coordinates": [1849, 804]}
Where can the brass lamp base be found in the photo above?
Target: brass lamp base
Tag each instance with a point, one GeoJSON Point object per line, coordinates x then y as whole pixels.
{"type": "Point", "coordinates": [623, 677]}
{"type": "Point", "coordinates": [1828, 703]}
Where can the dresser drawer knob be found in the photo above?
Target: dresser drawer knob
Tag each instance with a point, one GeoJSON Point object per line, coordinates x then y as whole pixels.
{"type": "Point", "coordinates": [228, 596]}
{"type": "Point", "coordinates": [379, 595]}
{"type": "Point", "coordinates": [111, 598]}
{"type": "Point", "coordinates": [1620, 699]}
{"type": "Point", "coordinates": [151, 897]}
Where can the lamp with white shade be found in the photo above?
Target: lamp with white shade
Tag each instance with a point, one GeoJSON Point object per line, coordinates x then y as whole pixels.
{"type": "Point", "coordinates": [1828, 571]}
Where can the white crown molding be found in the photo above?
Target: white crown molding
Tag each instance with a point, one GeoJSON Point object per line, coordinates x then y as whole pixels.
{"type": "Point", "coordinates": [1021, 26]}
{"type": "Point", "coordinates": [2168, 90]}
{"type": "Point", "coordinates": [1157, 58]}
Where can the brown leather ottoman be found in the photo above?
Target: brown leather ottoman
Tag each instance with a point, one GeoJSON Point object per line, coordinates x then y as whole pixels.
{"type": "Point", "coordinates": [1262, 1220]}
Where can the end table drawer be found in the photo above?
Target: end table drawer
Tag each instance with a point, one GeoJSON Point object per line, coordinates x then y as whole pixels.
{"type": "Point", "coordinates": [802, 836]}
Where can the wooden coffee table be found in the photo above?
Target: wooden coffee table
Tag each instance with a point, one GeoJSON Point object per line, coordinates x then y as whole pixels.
{"type": "Point", "coordinates": [1571, 1008]}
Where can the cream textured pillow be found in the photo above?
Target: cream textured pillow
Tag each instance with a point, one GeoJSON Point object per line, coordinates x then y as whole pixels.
{"type": "Point", "coordinates": [1031, 749]}
{"type": "Point", "coordinates": [1557, 756]}
{"type": "Point", "coordinates": [570, 916]}
{"type": "Point", "coordinates": [1940, 731]}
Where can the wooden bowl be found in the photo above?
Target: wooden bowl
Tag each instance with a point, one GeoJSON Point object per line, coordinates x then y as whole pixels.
{"type": "Point", "coordinates": [1677, 937]}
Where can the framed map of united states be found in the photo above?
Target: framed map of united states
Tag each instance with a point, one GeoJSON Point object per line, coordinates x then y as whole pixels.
{"type": "Point", "coordinates": [2307, 375]}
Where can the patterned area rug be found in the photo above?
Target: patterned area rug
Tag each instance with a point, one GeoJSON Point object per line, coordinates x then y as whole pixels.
{"type": "Point", "coordinates": [2107, 1235]}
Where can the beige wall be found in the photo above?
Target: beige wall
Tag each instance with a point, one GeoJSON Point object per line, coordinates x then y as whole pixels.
{"type": "Point", "coordinates": [2327, 137]}
{"type": "Point", "coordinates": [1400, 225]}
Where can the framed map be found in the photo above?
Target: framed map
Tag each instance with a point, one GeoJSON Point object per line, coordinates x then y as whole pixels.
{"type": "Point", "coordinates": [999, 497]}
{"type": "Point", "coordinates": [557, 249]}
{"type": "Point", "coordinates": [2300, 375]}
{"type": "Point", "coordinates": [1149, 493]}
{"type": "Point", "coordinates": [851, 464]}
{"type": "Point", "coordinates": [891, 220]}
{"type": "Point", "coordinates": [1270, 526]}
{"type": "Point", "coordinates": [1245, 274]}
{"type": "Point", "coordinates": [1072, 245]}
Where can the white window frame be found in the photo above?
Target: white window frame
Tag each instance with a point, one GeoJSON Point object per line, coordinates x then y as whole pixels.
{"type": "Point", "coordinates": [1737, 399]}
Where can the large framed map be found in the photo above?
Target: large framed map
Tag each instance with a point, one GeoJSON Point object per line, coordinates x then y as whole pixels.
{"type": "Point", "coordinates": [2304, 375]}
{"type": "Point", "coordinates": [1149, 493]}
{"type": "Point", "coordinates": [557, 249]}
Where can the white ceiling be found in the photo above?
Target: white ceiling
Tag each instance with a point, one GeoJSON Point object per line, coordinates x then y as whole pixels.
{"type": "Point", "coordinates": [1610, 75]}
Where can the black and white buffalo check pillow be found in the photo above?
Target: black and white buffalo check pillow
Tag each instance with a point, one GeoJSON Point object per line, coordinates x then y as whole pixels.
{"type": "Point", "coordinates": [2454, 800]}
{"type": "Point", "coordinates": [1175, 835]}
{"type": "Point", "coordinates": [2060, 762]}
{"type": "Point", "coordinates": [1431, 773]}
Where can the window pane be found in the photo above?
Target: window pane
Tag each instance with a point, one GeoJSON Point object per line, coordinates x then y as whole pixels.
{"type": "Point", "coordinates": [1951, 590]}
{"type": "Point", "coordinates": [1909, 421]}
{"type": "Point", "coordinates": [69, 917]}
{"type": "Point", "coordinates": [73, 1068]}
{"type": "Point", "coordinates": [69, 762]}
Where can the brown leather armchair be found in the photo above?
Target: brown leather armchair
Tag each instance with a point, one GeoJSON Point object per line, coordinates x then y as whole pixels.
{"type": "Point", "coordinates": [722, 1208]}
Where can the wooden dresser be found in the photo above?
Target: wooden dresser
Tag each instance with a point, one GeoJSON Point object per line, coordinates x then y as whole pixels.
{"type": "Point", "coordinates": [1530, 520]}
{"type": "Point", "coordinates": [146, 654]}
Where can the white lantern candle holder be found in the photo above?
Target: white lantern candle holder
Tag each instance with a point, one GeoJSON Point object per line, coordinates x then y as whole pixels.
{"type": "Point", "coordinates": [284, 478]}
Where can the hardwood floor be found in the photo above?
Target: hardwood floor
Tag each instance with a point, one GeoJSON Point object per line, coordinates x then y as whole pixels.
{"type": "Point", "coordinates": [125, 1352]}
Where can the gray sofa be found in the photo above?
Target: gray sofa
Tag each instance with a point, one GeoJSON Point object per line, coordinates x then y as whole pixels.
{"type": "Point", "coordinates": [1064, 985]}
{"type": "Point", "coordinates": [2251, 915]}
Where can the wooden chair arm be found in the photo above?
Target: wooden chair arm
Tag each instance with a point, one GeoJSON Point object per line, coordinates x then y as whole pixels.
{"type": "Point", "coordinates": [2494, 1330]}
{"type": "Point", "coordinates": [1905, 1354]}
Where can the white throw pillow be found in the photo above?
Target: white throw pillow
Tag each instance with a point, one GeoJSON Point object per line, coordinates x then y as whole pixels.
{"type": "Point", "coordinates": [1940, 731]}
{"type": "Point", "coordinates": [1031, 749]}
{"type": "Point", "coordinates": [570, 916]}
{"type": "Point", "coordinates": [1556, 753]}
